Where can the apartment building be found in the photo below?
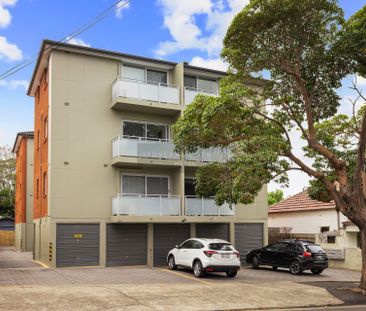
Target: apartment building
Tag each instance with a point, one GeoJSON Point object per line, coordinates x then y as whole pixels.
{"type": "Point", "coordinates": [23, 149]}
{"type": "Point", "coordinates": [109, 187]}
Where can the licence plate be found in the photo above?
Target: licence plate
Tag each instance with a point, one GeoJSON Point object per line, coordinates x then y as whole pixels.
{"type": "Point", "coordinates": [225, 256]}
{"type": "Point", "coordinates": [319, 257]}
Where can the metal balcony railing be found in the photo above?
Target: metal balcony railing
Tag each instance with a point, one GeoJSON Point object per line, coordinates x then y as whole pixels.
{"type": "Point", "coordinates": [195, 206]}
{"type": "Point", "coordinates": [157, 92]}
{"type": "Point", "coordinates": [146, 205]}
{"type": "Point", "coordinates": [190, 94]}
{"type": "Point", "coordinates": [143, 148]}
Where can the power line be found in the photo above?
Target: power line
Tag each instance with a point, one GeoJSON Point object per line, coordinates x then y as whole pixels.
{"type": "Point", "coordinates": [66, 39]}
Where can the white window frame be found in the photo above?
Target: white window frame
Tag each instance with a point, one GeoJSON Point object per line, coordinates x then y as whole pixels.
{"type": "Point", "coordinates": [203, 78]}
{"type": "Point", "coordinates": [146, 68]}
{"type": "Point", "coordinates": [146, 123]}
{"type": "Point", "coordinates": [144, 175]}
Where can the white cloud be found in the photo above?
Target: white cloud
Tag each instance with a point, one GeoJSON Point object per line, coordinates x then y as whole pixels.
{"type": "Point", "coordinates": [15, 84]}
{"type": "Point", "coordinates": [213, 63]}
{"type": "Point", "coordinates": [9, 50]}
{"type": "Point", "coordinates": [120, 7]}
{"type": "Point", "coordinates": [77, 41]}
{"type": "Point", "coordinates": [5, 17]}
{"type": "Point", "coordinates": [361, 81]}
{"type": "Point", "coordinates": [180, 18]}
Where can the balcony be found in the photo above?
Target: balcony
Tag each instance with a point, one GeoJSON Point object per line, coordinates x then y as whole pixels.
{"type": "Point", "coordinates": [133, 95]}
{"type": "Point", "coordinates": [190, 94]}
{"type": "Point", "coordinates": [146, 205]}
{"type": "Point", "coordinates": [132, 149]}
{"type": "Point", "coordinates": [196, 206]}
{"type": "Point", "coordinates": [209, 155]}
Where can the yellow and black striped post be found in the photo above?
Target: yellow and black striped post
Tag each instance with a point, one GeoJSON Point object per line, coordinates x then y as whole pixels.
{"type": "Point", "coordinates": [50, 251]}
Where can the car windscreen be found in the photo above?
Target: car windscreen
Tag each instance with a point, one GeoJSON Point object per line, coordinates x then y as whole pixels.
{"type": "Point", "coordinates": [314, 248]}
{"type": "Point", "coordinates": [220, 246]}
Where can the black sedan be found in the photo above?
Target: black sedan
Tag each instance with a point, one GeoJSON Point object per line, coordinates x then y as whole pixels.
{"type": "Point", "coordinates": [297, 255]}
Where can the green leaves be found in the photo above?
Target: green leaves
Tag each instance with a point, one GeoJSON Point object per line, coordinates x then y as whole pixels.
{"type": "Point", "coordinates": [275, 197]}
{"type": "Point", "coordinates": [7, 187]}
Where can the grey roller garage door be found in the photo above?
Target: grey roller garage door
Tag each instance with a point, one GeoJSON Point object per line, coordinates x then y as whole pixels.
{"type": "Point", "coordinates": [77, 245]}
{"type": "Point", "coordinates": [213, 231]}
{"type": "Point", "coordinates": [126, 244]}
{"type": "Point", "coordinates": [165, 238]}
{"type": "Point", "coordinates": [247, 238]}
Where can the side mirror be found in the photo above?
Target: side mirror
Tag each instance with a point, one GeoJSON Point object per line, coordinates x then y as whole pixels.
{"type": "Point", "coordinates": [176, 246]}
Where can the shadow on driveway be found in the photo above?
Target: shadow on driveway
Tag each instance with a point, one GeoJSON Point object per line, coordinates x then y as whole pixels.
{"type": "Point", "coordinates": [342, 291]}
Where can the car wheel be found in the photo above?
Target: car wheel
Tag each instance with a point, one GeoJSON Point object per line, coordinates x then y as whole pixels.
{"type": "Point", "coordinates": [198, 269]}
{"type": "Point", "coordinates": [295, 267]}
{"type": "Point", "coordinates": [231, 273]}
{"type": "Point", "coordinates": [316, 271]}
{"type": "Point", "coordinates": [274, 268]}
{"type": "Point", "coordinates": [171, 263]}
{"type": "Point", "coordinates": [255, 262]}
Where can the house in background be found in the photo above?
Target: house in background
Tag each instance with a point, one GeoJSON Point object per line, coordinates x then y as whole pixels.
{"type": "Point", "coordinates": [299, 216]}
{"type": "Point", "coordinates": [109, 189]}
{"type": "Point", "coordinates": [24, 151]}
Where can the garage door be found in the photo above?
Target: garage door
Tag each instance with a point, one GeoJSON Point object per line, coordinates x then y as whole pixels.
{"type": "Point", "coordinates": [213, 231]}
{"type": "Point", "coordinates": [165, 238]}
{"type": "Point", "coordinates": [126, 244]}
{"type": "Point", "coordinates": [77, 245]}
{"type": "Point", "coordinates": [247, 238]}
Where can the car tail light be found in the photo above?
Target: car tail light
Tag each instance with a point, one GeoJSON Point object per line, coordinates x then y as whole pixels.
{"type": "Point", "coordinates": [306, 254]}
{"type": "Point", "coordinates": [210, 253]}
{"type": "Point", "coordinates": [237, 254]}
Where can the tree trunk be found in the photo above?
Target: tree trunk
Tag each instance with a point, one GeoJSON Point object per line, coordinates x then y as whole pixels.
{"type": "Point", "coordinates": [363, 256]}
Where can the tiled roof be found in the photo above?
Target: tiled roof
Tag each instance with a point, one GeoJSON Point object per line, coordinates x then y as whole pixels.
{"type": "Point", "coordinates": [300, 202]}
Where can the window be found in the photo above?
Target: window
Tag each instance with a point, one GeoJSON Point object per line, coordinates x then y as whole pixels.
{"type": "Point", "coordinates": [142, 74]}
{"type": "Point", "coordinates": [187, 244]}
{"type": "Point", "coordinates": [331, 239]}
{"type": "Point", "coordinates": [38, 140]}
{"type": "Point", "coordinates": [286, 247]}
{"type": "Point", "coordinates": [37, 189]}
{"type": "Point", "coordinates": [190, 81]}
{"type": "Point", "coordinates": [154, 76]}
{"type": "Point", "coordinates": [324, 229]}
{"type": "Point", "coordinates": [220, 246]}
{"type": "Point", "coordinates": [274, 247]}
{"type": "Point", "coordinates": [45, 188]}
{"type": "Point", "coordinates": [196, 244]}
{"type": "Point", "coordinates": [137, 184]}
{"type": "Point", "coordinates": [313, 248]}
{"type": "Point", "coordinates": [156, 131]}
{"type": "Point", "coordinates": [207, 85]}
{"type": "Point", "coordinates": [134, 129]}
{"type": "Point", "coordinates": [133, 73]}
{"type": "Point", "coordinates": [148, 131]}
{"type": "Point", "coordinates": [45, 128]}
{"type": "Point", "coordinates": [189, 186]}
{"type": "Point", "coordinates": [358, 239]}
{"type": "Point", "coordinates": [299, 248]}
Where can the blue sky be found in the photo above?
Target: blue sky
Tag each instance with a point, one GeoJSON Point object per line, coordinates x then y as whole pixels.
{"type": "Point", "coordinates": [177, 30]}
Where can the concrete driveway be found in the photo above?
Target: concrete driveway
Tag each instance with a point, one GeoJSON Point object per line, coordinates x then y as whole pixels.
{"type": "Point", "coordinates": [26, 285]}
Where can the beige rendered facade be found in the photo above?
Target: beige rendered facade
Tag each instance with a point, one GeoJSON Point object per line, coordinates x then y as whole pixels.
{"type": "Point", "coordinates": [115, 186]}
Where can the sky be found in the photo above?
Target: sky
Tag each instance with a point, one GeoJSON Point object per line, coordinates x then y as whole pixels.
{"type": "Point", "coordinates": [176, 30]}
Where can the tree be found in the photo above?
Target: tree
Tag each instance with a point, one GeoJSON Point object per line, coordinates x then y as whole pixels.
{"type": "Point", "coordinates": [275, 197]}
{"type": "Point", "coordinates": [7, 183]}
{"type": "Point", "coordinates": [302, 46]}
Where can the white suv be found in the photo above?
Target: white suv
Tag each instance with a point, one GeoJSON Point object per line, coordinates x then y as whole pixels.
{"type": "Point", "coordinates": [205, 255]}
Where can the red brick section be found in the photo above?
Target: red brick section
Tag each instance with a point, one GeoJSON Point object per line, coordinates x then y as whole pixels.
{"type": "Point", "coordinates": [20, 178]}
{"type": "Point", "coordinates": [40, 148]}
{"type": "Point", "coordinates": [300, 202]}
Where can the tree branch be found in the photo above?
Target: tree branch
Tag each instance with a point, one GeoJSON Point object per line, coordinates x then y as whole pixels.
{"type": "Point", "coordinates": [357, 180]}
